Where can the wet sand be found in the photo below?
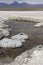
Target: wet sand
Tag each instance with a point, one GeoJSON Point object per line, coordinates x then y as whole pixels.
{"type": "Point", "coordinates": [35, 38]}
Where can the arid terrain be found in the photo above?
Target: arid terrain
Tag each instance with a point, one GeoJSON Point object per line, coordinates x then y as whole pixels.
{"type": "Point", "coordinates": [21, 9]}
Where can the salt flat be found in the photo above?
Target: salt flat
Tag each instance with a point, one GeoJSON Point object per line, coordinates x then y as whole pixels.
{"type": "Point", "coordinates": [25, 15]}
{"type": "Point", "coordinates": [31, 14]}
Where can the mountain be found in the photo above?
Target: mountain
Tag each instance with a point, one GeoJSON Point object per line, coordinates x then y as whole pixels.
{"type": "Point", "coordinates": [3, 5]}
{"type": "Point", "coordinates": [19, 5]}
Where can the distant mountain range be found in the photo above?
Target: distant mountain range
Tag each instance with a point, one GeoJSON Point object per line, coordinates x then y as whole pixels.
{"type": "Point", "coordinates": [19, 5]}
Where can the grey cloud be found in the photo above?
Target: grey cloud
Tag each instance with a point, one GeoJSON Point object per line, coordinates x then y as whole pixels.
{"type": "Point", "coordinates": [28, 1]}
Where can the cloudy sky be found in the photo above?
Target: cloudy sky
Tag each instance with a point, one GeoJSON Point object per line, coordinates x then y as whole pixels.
{"type": "Point", "coordinates": [28, 1]}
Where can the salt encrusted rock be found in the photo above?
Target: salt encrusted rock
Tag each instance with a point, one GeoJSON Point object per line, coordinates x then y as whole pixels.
{"type": "Point", "coordinates": [4, 31]}
{"type": "Point", "coordinates": [3, 25]}
{"type": "Point", "coordinates": [21, 36]}
{"type": "Point", "coordinates": [9, 43]}
{"type": "Point", "coordinates": [29, 57]}
{"type": "Point", "coordinates": [38, 24]}
{"type": "Point", "coordinates": [1, 35]}
{"type": "Point", "coordinates": [12, 43]}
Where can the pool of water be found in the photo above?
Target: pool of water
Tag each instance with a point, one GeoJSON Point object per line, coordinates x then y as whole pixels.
{"type": "Point", "coordinates": [35, 38]}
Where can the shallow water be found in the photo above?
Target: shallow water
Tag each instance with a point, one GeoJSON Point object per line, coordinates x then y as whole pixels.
{"type": "Point", "coordinates": [35, 38]}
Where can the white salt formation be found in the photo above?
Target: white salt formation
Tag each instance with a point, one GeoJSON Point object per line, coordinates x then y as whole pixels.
{"type": "Point", "coordinates": [38, 24]}
{"type": "Point", "coordinates": [29, 57]}
{"type": "Point", "coordinates": [2, 25]}
{"type": "Point", "coordinates": [24, 14]}
{"type": "Point", "coordinates": [4, 31]}
{"type": "Point", "coordinates": [9, 43]}
{"type": "Point", "coordinates": [1, 34]}
{"type": "Point", "coordinates": [20, 36]}
{"type": "Point", "coordinates": [12, 43]}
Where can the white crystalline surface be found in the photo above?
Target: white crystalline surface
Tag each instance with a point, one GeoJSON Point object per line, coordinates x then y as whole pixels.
{"type": "Point", "coordinates": [38, 24]}
{"type": "Point", "coordinates": [4, 29]}
{"type": "Point", "coordinates": [20, 36]}
{"type": "Point", "coordinates": [12, 14]}
{"type": "Point", "coordinates": [5, 32]}
{"type": "Point", "coordinates": [36, 57]}
{"type": "Point", "coordinates": [9, 43]}
{"type": "Point", "coordinates": [3, 25]}
{"type": "Point", "coordinates": [12, 43]}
